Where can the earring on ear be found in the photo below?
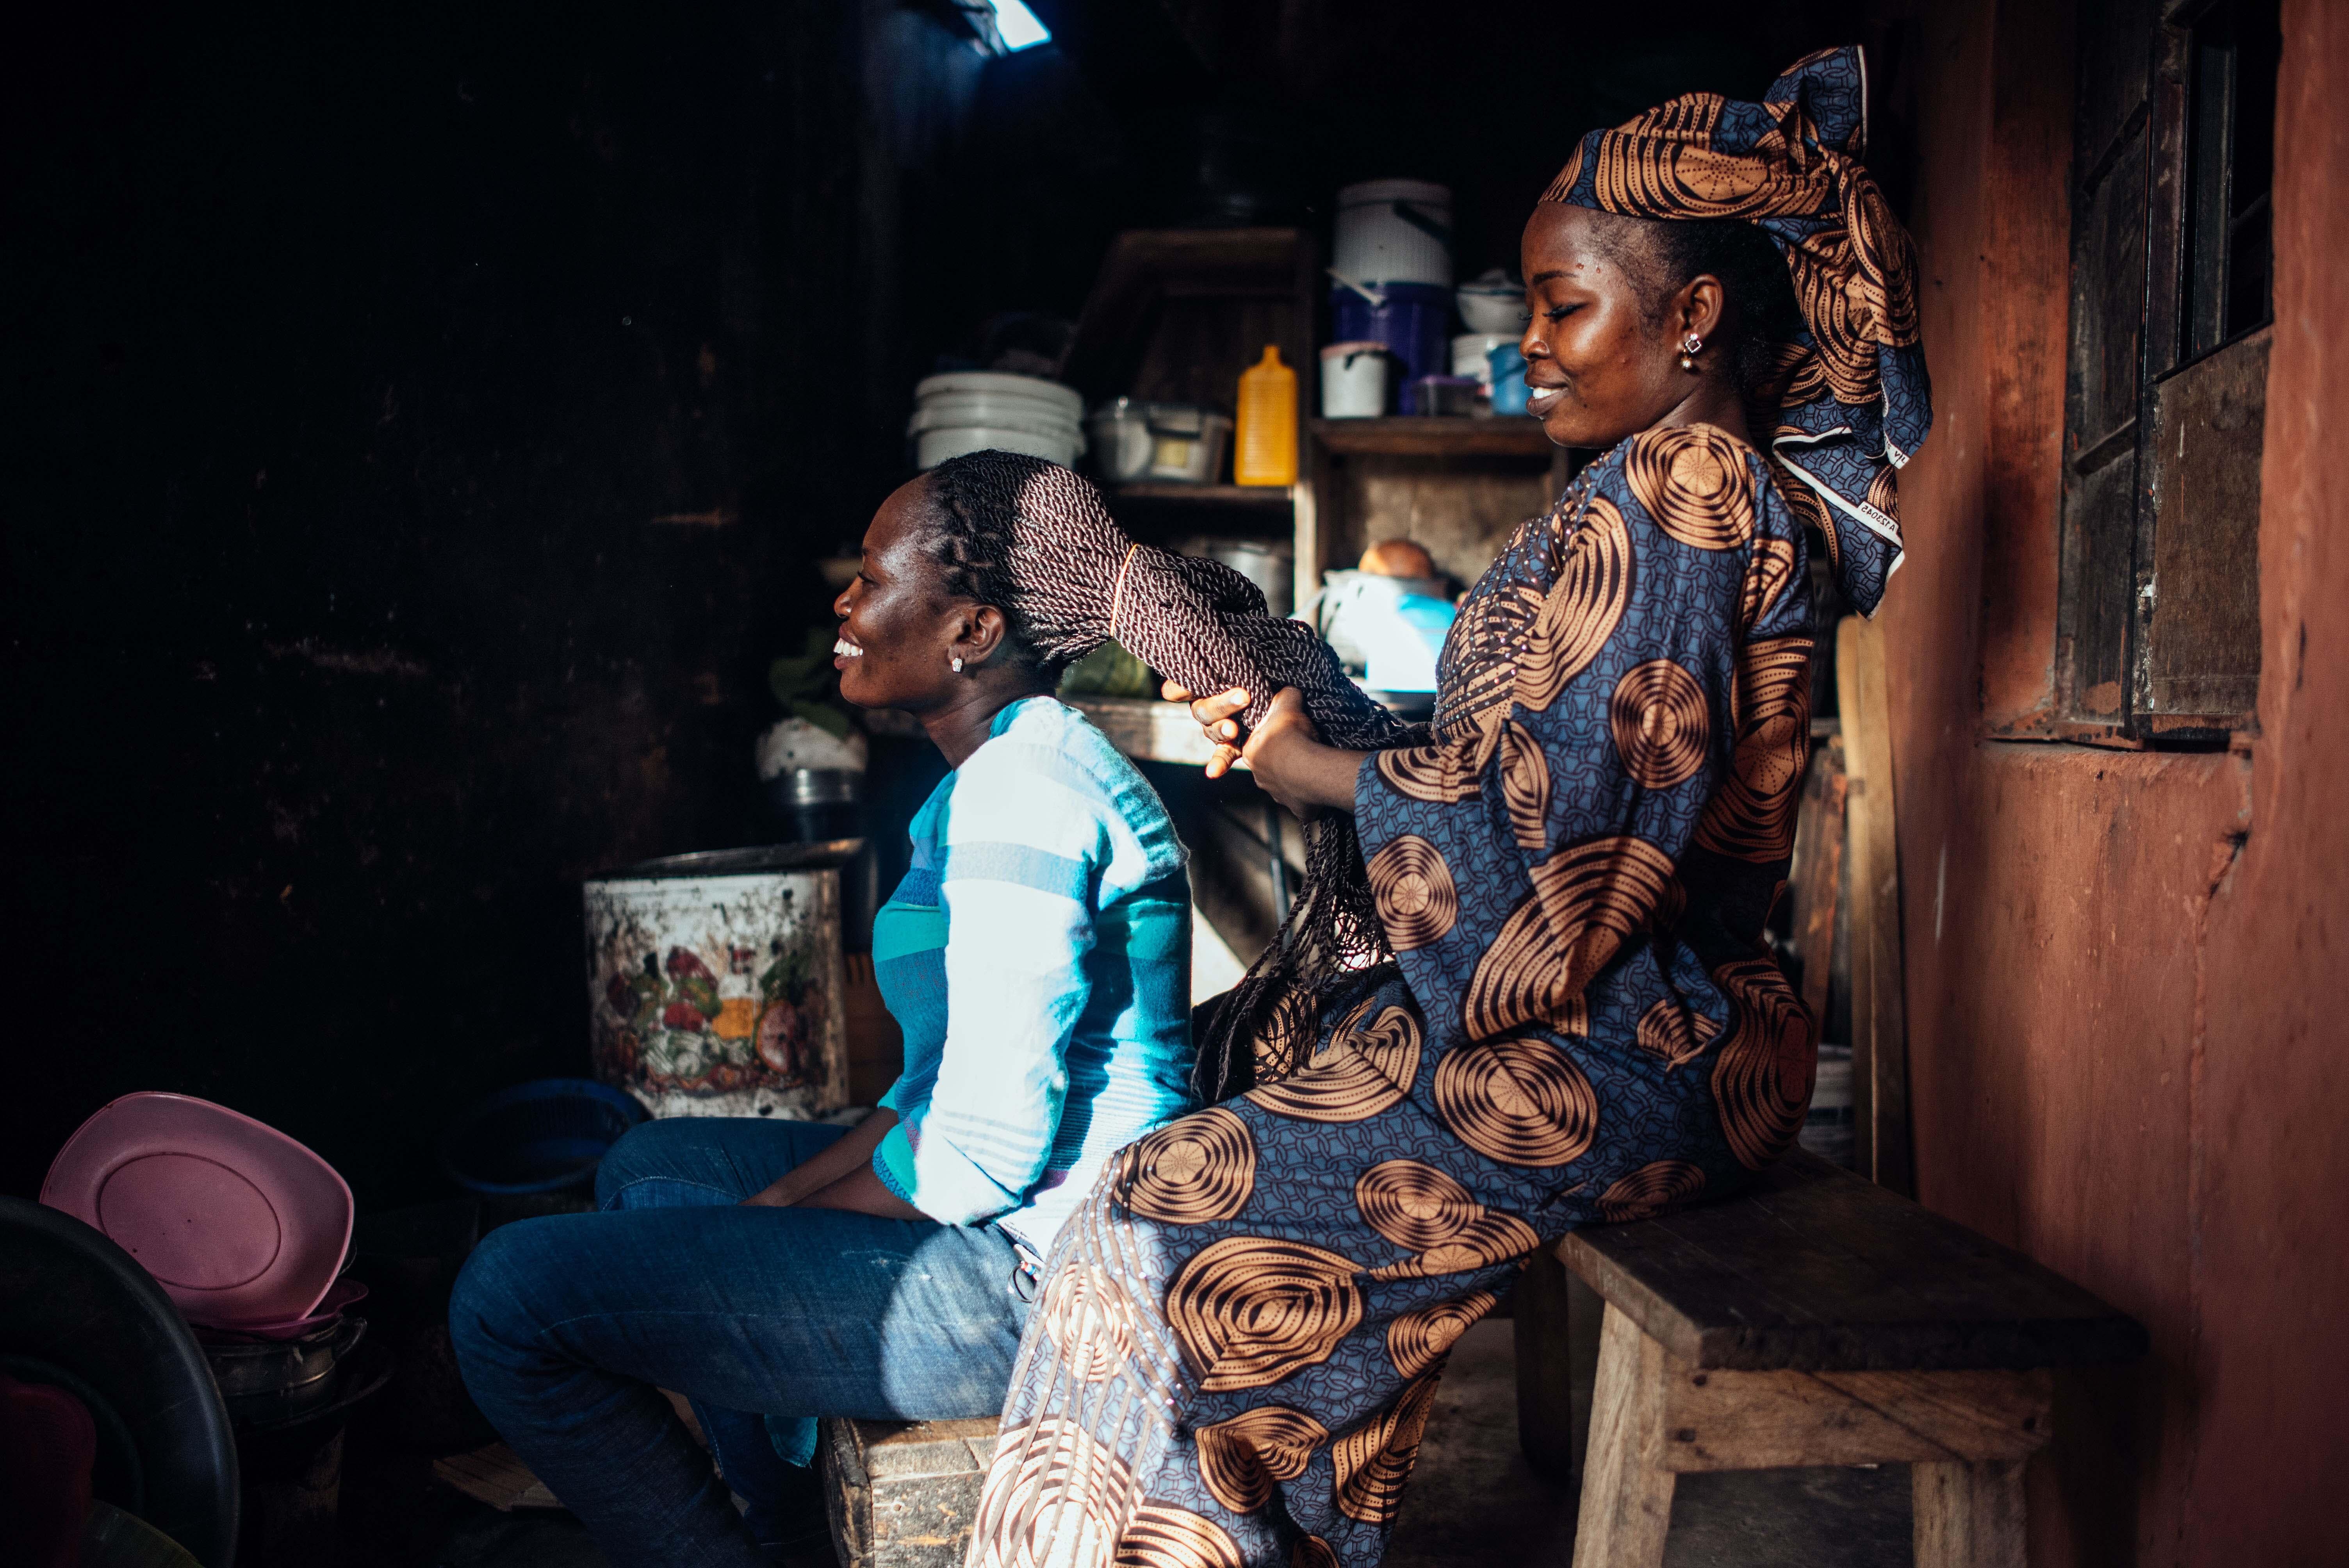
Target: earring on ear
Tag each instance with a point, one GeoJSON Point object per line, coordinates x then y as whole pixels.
{"type": "Point", "coordinates": [1691, 346]}
{"type": "Point", "coordinates": [956, 661]}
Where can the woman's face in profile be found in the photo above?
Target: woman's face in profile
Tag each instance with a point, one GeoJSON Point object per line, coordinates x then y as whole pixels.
{"type": "Point", "coordinates": [897, 630]}
{"type": "Point", "coordinates": [1598, 366]}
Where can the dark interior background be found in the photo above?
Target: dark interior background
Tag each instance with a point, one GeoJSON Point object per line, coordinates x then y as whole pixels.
{"type": "Point", "coordinates": [420, 423]}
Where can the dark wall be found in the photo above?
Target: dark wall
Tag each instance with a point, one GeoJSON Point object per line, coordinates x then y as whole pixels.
{"type": "Point", "coordinates": [418, 423]}
{"type": "Point", "coordinates": [417, 426]}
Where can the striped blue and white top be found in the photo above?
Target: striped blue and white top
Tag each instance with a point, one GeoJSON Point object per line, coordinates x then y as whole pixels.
{"type": "Point", "coordinates": [1037, 956]}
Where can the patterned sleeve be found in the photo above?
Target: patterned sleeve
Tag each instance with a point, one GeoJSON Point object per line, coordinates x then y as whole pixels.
{"type": "Point", "coordinates": [1641, 696]}
{"type": "Point", "coordinates": [1027, 839]}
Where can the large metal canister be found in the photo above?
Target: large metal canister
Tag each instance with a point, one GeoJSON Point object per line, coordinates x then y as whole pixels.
{"type": "Point", "coordinates": [715, 981]}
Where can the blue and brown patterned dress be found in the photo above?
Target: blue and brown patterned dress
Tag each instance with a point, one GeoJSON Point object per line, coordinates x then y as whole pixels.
{"type": "Point", "coordinates": [1241, 1329]}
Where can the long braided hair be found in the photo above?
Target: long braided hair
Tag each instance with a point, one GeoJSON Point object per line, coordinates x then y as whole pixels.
{"type": "Point", "coordinates": [1035, 541]}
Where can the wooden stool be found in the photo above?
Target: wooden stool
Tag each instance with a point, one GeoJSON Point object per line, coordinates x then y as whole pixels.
{"type": "Point", "coordinates": [902, 1494]}
{"type": "Point", "coordinates": [1815, 1319]}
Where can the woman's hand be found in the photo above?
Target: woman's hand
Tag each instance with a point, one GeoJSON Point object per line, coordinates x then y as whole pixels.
{"type": "Point", "coordinates": [1218, 716]}
{"type": "Point", "coordinates": [844, 1156]}
{"type": "Point", "coordinates": [1291, 762]}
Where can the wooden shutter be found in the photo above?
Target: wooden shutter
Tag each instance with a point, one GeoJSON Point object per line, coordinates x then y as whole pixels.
{"type": "Point", "coordinates": [2200, 643]}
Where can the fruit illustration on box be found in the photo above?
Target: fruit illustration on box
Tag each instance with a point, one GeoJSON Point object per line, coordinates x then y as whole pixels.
{"type": "Point", "coordinates": [696, 987]}
{"type": "Point", "coordinates": [637, 997]}
{"type": "Point", "coordinates": [684, 1032]}
{"type": "Point", "coordinates": [782, 1029]}
{"type": "Point", "coordinates": [716, 995]}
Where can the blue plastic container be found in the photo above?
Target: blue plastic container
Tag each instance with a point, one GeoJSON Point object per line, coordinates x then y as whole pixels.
{"type": "Point", "coordinates": [1414, 323]}
{"type": "Point", "coordinates": [1509, 388]}
{"type": "Point", "coordinates": [537, 1136]}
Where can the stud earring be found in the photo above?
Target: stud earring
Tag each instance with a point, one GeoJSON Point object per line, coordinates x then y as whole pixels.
{"type": "Point", "coordinates": [957, 662]}
{"type": "Point", "coordinates": [1691, 346]}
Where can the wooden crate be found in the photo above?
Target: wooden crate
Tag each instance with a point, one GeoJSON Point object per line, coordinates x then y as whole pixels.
{"type": "Point", "coordinates": [902, 1494]}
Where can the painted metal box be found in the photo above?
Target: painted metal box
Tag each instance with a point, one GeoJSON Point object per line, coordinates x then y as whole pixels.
{"type": "Point", "coordinates": [714, 982]}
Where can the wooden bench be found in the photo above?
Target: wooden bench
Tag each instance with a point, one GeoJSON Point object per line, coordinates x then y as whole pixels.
{"type": "Point", "coordinates": [1816, 1319]}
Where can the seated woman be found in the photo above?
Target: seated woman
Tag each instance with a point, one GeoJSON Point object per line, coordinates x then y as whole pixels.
{"type": "Point", "coordinates": [1037, 956]}
{"type": "Point", "coordinates": [1527, 988]}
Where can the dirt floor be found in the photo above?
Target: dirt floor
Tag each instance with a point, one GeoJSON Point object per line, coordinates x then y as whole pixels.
{"type": "Point", "coordinates": [1474, 1502]}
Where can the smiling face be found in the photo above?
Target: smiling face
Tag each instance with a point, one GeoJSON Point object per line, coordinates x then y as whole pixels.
{"type": "Point", "coordinates": [899, 629]}
{"type": "Point", "coordinates": [1602, 356]}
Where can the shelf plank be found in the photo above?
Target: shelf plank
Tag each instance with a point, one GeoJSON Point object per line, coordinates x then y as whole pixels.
{"type": "Point", "coordinates": [1148, 730]}
{"type": "Point", "coordinates": [1433, 438]}
{"type": "Point", "coordinates": [1141, 727]}
{"type": "Point", "coordinates": [1267, 495]}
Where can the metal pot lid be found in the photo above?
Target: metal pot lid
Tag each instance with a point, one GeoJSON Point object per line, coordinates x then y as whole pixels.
{"type": "Point", "coordinates": [740, 863]}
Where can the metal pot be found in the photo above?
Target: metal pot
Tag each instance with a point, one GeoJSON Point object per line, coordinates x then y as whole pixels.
{"type": "Point", "coordinates": [1270, 564]}
{"type": "Point", "coordinates": [269, 1380]}
{"type": "Point", "coordinates": [819, 802]}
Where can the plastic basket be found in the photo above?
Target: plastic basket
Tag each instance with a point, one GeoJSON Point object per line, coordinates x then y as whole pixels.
{"type": "Point", "coordinates": [537, 1136]}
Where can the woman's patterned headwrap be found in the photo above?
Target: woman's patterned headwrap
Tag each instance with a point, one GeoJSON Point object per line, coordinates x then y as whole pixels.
{"type": "Point", "coordinates": [1858, 403]}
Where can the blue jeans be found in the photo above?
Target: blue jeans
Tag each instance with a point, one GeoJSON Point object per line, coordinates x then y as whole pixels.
{"type": "Point", "coordinates": [565, 1328]}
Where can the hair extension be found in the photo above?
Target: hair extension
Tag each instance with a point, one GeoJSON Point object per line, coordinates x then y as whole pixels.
{"type": "Point", "coordinates": [973, 517]}
{"type": "Point", "coordinates": [1035, 541]}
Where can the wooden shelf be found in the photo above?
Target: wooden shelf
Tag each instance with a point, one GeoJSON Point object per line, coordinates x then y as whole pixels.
{"type": "Point", "coordinates": [1146, 730]}
{"type": "Point", "coordinates": [1268, 496]}
{"type": "Point", "coordinates": [1424, 437]}
{"type": "Point", "coordinates": [1175, 314]}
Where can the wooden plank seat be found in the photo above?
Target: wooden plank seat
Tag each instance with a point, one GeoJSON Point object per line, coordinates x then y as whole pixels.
{"type": "Point", "coordinates": [902, 1494]}
{"type": "Point", "coordinates": [1815, 1319]}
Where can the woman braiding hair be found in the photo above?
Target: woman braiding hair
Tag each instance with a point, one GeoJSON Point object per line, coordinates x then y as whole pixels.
{"type": "Point", "coordinates": [1240, 1330]}
{"type": "Point", "coordinates": [1036, 539]}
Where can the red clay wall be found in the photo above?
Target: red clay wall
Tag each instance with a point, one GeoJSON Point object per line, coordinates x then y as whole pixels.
{"type": "Point", "coordinates": [2128, 972]}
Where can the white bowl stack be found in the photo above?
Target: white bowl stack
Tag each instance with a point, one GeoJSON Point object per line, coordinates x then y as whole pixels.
{"type": "Point", "coordinates": [976, 410]}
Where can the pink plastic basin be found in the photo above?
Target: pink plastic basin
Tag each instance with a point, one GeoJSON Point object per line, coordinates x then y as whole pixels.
{"type": "Point", "coordinates": [237, 1222]}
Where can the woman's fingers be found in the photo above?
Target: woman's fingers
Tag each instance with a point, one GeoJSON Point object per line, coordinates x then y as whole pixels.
{"type": "Point", "coordinates": [1212, 710]}
{"type": "Point", "coordinates": [1215, 717]}
{"type": "Point", "coordinates": [1284, 719]}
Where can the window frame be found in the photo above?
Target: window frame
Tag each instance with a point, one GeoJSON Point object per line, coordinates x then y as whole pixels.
{"type": "Point", "coordinates": [2134, 185]}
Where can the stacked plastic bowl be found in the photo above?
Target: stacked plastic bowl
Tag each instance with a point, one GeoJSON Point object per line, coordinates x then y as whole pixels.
{"type": "Point", "coordinates": [976, 410]}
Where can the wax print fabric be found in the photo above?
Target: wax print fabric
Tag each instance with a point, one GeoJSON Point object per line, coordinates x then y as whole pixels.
{"type": "Point", "coordinates": [1856, 403]}
{"type": "Point", "coordinates": [1240, 1330]}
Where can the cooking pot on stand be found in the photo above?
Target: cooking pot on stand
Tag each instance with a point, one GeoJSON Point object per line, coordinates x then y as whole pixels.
{"type": "Point", "coordinates": [263, 1381]}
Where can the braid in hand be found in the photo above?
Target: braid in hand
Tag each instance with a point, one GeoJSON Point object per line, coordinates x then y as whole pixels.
{"type": "Point", "coordinates": [1035, 540]}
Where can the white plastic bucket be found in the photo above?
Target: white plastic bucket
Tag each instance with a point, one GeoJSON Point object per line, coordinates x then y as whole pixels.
{"type": "Point", "coordinates": [1354, 378]}
{"type": "Point", "coordinates": [1394, 232]}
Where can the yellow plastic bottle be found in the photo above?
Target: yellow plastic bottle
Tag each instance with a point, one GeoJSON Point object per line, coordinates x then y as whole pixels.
{"type": "Point", "coordinates": [1267, 449]}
